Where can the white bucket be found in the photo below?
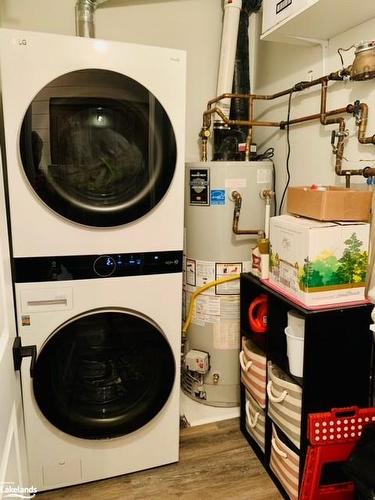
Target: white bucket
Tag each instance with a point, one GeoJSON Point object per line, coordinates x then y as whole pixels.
{"type": "Point", "coordinates": [296, 323]}
{"type": "Point", "coordinates": [295, 352]}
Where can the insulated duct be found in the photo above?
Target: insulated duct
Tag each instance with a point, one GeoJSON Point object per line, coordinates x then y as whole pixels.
{"type": "Point", "coordinates": [85, 17]}
{"type": "Point", "coordinates": [241, 80]}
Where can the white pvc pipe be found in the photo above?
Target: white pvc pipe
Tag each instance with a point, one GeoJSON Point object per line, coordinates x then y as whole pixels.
{"type": "Point", "coordinates": [267, 219]}
{"type": "Point", "coordinates": [232, 9]}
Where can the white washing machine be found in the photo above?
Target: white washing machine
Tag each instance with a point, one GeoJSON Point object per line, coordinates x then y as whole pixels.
{"type": "Point", "coordinates": [94, 144]}
{"type": "Point", "coordinates": [101, 396]}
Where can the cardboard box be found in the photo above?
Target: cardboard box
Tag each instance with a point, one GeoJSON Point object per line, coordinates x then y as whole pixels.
{"type": "Point", "coordinates": [319, 263]}
{"type": "Point", "coordinates": [333, 204]}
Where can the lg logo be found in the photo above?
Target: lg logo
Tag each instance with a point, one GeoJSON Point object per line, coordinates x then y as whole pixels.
{"type": "Point", "coordinates": [19, 41]}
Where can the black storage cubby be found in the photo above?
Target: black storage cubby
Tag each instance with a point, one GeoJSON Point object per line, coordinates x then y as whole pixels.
{"type": "Point", "coordinates": [337, 359]}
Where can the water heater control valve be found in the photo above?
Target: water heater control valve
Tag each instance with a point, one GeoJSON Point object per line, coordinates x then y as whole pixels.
{"type": "Point", "coordinates": [197, 361]}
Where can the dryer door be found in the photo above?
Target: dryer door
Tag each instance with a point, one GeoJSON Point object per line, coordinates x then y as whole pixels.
{"type": "Point", "coordinates": [104, 374]}
{"type": "Point", "coordinates": [98, 148]}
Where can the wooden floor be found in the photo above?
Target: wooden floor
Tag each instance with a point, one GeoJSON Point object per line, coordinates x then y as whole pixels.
{"type": "Point", "coordinates": [215, 463]}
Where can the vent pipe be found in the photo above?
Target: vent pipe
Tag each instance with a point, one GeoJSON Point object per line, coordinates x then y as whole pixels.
{"type": "Point", "coordinates": [85, 23]}
{"type": "Point", "coordinates": [232, 10]}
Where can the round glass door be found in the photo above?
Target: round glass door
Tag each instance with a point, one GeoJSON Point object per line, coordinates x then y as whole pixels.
{"type": "Point", "coordinates": [98, 148]}
{"type": "Point", "coordinates": [104, 375]}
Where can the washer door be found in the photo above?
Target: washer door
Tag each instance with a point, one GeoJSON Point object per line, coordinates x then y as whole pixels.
{"type": "Point", "coordinates": [98, 148]}
{"type": "Point", "coordinates": [104, 374]}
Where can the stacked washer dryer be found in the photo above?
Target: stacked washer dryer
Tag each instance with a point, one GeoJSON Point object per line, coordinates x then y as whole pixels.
{"type": "Point", "coordinates": [94, 139]}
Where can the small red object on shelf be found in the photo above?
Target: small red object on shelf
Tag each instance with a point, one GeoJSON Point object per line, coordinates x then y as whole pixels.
{"type": "Point", "coordinates": [332, 436]}
{"type": "Point", "coordinates": [257, 313]}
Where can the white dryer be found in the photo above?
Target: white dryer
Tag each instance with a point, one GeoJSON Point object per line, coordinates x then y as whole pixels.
{"type": "Point", "coordinates": [94, 144]}
{"type": "Point", "coordinates": [101, 396]}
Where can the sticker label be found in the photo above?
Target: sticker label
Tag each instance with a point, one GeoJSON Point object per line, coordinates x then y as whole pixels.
{"type": "Point", "coordinates": [199, 186]}
{"type": "Point", "coordinates": [190, 272]}
{"type": "Point", "coordinates": [205, 274]}
{"type": "Point", "coordinates": [226, 335]}
{"type": "Point", "coordinates": [25, 320]}
{"type": "Point", "coordinates": [207, 309]}
{"type": "Point", "coordinates": [218, 197]}
{"type": "Point", "coordinates": [235, 183]}
{"type": "Point", "coordinates": [264, 176]}
{"type": "Point", "coordinates": [225, 270]}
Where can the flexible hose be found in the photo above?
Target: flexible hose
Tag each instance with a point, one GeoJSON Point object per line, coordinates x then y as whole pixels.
{"type": "Point", "coordinates": [198, 292]}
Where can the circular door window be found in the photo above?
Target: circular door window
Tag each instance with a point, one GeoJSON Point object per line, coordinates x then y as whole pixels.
{"type": "Point", "coordinates": [104, 375]}
{"type": "Point", "coordinates": [98, 148]}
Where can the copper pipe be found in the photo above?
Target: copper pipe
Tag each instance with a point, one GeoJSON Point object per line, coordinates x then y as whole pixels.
{"type": "Point", "coordinates": [227, 95]}
{"type": "Point", "coordinates": [363, 126]}
{"type": "Point", "coordinates": [368, 172]}
{"type": "Point", "coordinates": [249, 138]}
{"type": "Point", "coordinates": [323, 116]}
{"type": "Point", "coordinates": [303, 119]}
{"type": "Point", "coordinates": [329, 121]}
{"type": "Point", "coordinates": [236, 217]}
{"type": "Point", "coordinates": [341, 136]}
{"type": "Point", "coordinates": [227, 121]}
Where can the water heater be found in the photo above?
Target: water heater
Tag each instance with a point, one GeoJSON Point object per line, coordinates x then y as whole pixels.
{"type": "Point", "coordinates": [210, 368]}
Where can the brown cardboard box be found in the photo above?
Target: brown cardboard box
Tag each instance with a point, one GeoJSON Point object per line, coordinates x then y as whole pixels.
{"type": "Point", "coordinates": [332, 204]}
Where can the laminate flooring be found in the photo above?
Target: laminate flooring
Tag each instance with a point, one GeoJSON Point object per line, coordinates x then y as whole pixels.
{"type": "Point", "coordinates": [215, 463]}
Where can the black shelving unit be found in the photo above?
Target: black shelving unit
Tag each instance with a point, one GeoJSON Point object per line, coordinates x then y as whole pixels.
{"type": "Point", "coordinates": [337, 359]}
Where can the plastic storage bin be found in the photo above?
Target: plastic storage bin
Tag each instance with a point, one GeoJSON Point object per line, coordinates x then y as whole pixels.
{"type": "Point", "coordinates": [295, 345]}
{"type": "Point", "coordinates": [296, 322]}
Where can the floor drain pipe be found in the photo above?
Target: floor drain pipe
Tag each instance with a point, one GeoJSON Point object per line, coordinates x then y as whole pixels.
{"type": "Point", "coordinates": [85, 12]}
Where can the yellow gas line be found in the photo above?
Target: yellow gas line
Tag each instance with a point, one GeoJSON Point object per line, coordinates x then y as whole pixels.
{"type": "Point", "coordinates": [198, 292]}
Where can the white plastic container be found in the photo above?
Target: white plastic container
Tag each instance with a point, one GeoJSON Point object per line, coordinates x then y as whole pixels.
{"type": "Point", "coordinates": [296, 323]}
{"type": "Point", "coordinates": [295, 352]}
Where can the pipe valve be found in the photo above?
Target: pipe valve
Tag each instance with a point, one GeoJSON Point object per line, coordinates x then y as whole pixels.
{"type": "Point", "coordinates": [337, 134]}
{"type": "Point", "coordinates": [357, 112]}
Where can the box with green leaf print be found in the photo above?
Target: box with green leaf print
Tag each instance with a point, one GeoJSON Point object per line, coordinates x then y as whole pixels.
{"type": "Point", "coordinates": [319, 263]}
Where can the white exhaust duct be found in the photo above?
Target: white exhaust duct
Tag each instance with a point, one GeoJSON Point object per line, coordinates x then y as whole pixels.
{"type": "Point", "coordinates": [232, 10]}
{"type": "Point", "coordinates": [85, 10]}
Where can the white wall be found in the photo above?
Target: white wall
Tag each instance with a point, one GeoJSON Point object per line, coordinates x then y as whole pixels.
{"type": "Point", "coordinates": [280, 66]}
{"type": "Point", "coordinates": [192, 25]}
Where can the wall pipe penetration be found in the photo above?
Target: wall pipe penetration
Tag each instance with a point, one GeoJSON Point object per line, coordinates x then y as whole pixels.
{"type": "Point", "coordinates": [85, 17]}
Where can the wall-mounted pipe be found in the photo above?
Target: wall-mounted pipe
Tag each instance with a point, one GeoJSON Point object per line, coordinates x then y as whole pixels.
{"type": "Point", "coordinates": [359, 111]}
{"type": "Point", "coordinates": [85, 17]}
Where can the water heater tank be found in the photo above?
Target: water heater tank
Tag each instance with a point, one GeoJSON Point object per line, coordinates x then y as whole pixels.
{"type": "Point", "coordinates": [213, 251]}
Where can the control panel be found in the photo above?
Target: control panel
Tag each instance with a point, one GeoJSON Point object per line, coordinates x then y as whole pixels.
{"type": "Point", "coordinates": [37, 269]}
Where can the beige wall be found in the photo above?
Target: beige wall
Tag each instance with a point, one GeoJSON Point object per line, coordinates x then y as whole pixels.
{"type": "Point", "coordinates": [192, 25]}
